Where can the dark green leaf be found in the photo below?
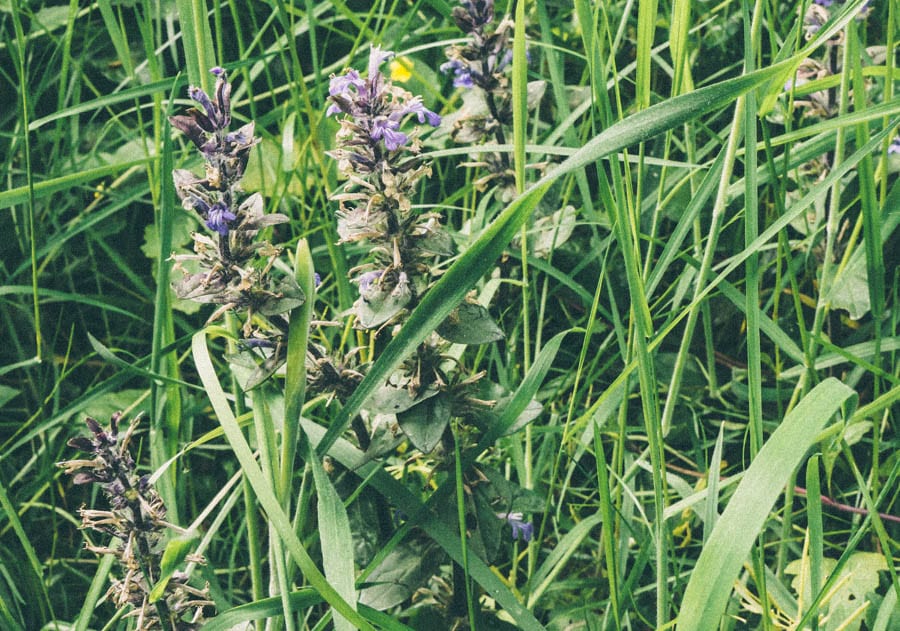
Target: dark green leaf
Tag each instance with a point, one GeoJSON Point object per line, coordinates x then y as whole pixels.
{"type": "Point", "coordinates": [470, 323]}
{"type": "Point", "coordinates": [401, 573]}
{"type": "Point", "coordinates": [425, 423]}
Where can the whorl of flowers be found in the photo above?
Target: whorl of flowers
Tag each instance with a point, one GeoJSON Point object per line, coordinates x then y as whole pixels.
{"type": "Point", "coordinates": [482, 61]}
{"type": "Point", "coordinates": [482, 66]}
{"type": "Point", "coordinates": [233, 266]}
{"type": "Point", "coordinates": [383, 167]}
{"type": "Point", "coordinates": [137, 518]}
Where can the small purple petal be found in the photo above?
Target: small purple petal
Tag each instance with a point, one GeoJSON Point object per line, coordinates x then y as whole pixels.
{"type": "Point", "coordinates": [376, 58]}
{"type": "Point", "coordinates": [365, 281]}
{"type": "Point", "coordinates": [462, 75]}
{"type": "Point", "coordinates": [203, 99]}
{"type": "Point", "coordinates": [386, 129]}
{"type": "Point", "coordinates": [218, 71]}
{"type": "Point", "coordinates": [416, 107]}
{"type": "Point", "coordinates": [894, 146]}
{"type": "Point", "coordinates": [218, 217]}
{"type": "Point", "coordinates": [341, 84]}
{"type": "Point", "coordinates": [519, 526]}
{"type": "Point", "coordinates": [393, 140]}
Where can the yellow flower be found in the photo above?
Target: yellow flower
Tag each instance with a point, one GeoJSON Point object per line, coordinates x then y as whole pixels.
{"type": "Point", "coordinates": [401, 69]}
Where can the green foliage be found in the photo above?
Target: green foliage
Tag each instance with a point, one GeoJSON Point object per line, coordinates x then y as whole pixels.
{"type": "Point", "coordinates": [655, 267]}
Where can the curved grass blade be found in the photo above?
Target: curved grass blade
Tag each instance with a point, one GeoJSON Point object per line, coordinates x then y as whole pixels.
{"type": "Point", "coordinates": [710, 585]}
{"type": "Point", "coordinates": [20, 194]}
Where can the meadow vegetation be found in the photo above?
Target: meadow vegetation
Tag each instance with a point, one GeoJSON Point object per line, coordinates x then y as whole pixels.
{"type": "Point", "coordinates": [427, 314]}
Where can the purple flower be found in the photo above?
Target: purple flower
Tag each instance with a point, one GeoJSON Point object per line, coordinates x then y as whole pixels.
{"type": "Point", "coordinates": [895, 145]}
{"type": "Point", "coordinates": [462, 76]}
{"type": "Point", "coordinates": [341, 84]}
{"type": "Point", "coordinates": [519, 526]}
{"type": "Point", "coordinates": [365, 281]}
{"type": "Point", "coordinates": [387, 129]}
{"type": "Point", "coordinates": [415, 106]}
{"type": "Point", "coordinates": [217, 218]}
{"type": "Point", "coordinates": [376, 58]}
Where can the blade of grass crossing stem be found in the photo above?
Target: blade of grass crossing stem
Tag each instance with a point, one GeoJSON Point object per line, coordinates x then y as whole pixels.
{"type": "Point", "coordinates": [646, 30]}
{"type": "Point", "coordinates": [263, 489]}
{"type": "Point", "coordinates": [199, 54]}
{"type": "Point", "coordinates": [484, 251]}
{"type": "Point", "coordinates": [712, 578]}
{"type": "Point", "coordinates": [814, 531]}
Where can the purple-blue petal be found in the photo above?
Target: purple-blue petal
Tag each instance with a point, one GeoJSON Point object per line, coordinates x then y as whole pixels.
{"type": "Point", "coordinates": [376, 58]}
{"type": "Point", "coordinates": [218, 217]}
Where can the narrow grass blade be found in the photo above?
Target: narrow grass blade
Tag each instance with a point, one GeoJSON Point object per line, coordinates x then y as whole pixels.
{"type": "Point", "coordinates": [300, 599]}
{"type": "Point", "coordinates": [735, 532]}
{"type": "Point", "coordinates": [337, 541]}
{"type": "Point", "coordinates": [95, 592]}
{"type": "Point", "coordinates": [36, 580]}
{"type": "Point", "coordinates": [556, 560]}
{"type": "Point", "coordinates": [815, 532]}
{"type": "Point", "coordinates": [20, 194]}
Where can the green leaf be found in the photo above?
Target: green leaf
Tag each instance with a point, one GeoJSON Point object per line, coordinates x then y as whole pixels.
{"type": "Point", "coordinates": [470, 323]}
{"type": "Point", "coordinates": [394, 399]}
{"type": "Point", "coordinates": [850, 290]}
{"type": "Point", "coordinates": [176, 551]}
{"type": "Point", "coordinates": [425, 422]}
{"type": "Point", "coordinates": [404, 570]}
{"type": "Point", "coordinates": [379, 305]}
{"type": "Point", "coordinates": [337, 542]}
{"type": "Point", "coordinates": [726, 550]}
{"type": "Point", "coordinates": [857, 579]}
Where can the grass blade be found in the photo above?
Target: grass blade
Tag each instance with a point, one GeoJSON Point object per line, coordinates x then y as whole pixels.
{"type": "Point", "coordinates": [735, 532]}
